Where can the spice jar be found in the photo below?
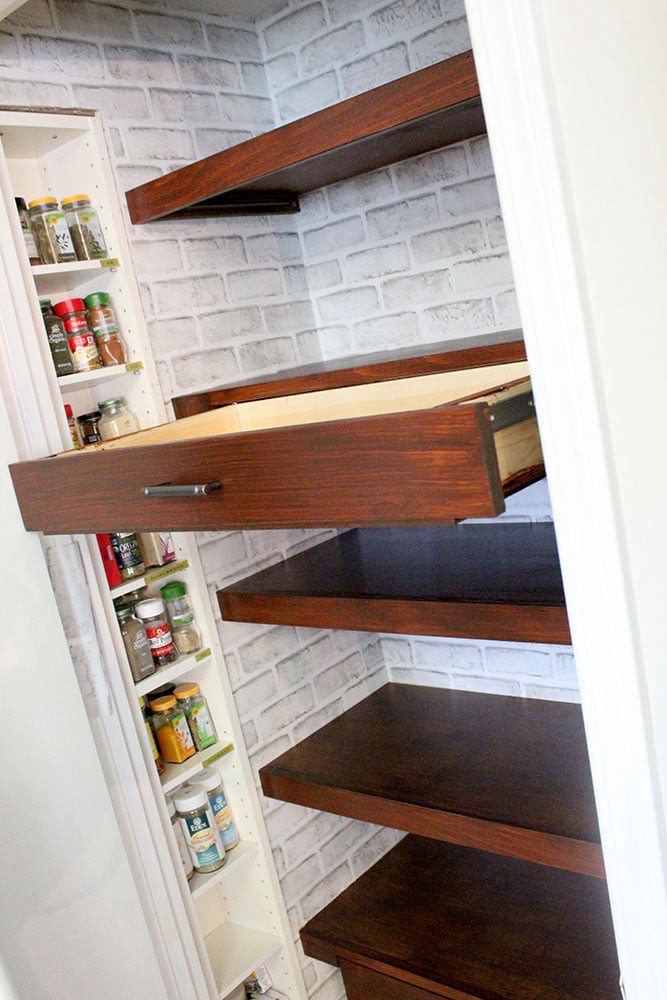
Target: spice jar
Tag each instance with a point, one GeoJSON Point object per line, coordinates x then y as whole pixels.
{"type": "Point", "coordinates": [84, 226]}
{"type": "Point", "coordinates": [159, 763]}
{"type": "Point", "coordinates": [128, 554]}
{"type": "Point", "coordinates": [186, 860]}
{"type": "Point", "coordinates": [199, 829]}
{"type": "Point", "coordinates": [171, 730]}
{"type": "Point", "coordinates": [49, 227]}
{"type": "Point", "coordinates": [136, 644]}
{"type": "Point", "coordinates": [28, 237]}
{"type": "Point", "coordinates": [197, 713]}
{"type": "Point", "coordinates": [80, 339]}
{"type": "Point", "coordinates": [154, 616]}
{"type": "Point", "coordinates": [186, 634]}
{"type": "Point", "coordinates": [209, 779]}
{"type": "Point", "coordinates": [102, 321]}
{"type": "Point", "coordinates": [72, 426]}
{"type": "Point", "coordinates": [88, 422]}
{"type": "Point", "coordinates": [55, 334]}
{"type": "Point", "coordinates": [117, 419]}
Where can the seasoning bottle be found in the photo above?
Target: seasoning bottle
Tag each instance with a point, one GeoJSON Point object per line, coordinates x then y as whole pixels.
{"type": "Point", "coordinates": [55, 334]}
{"type": "Point", "coordinates": [117, 419]}
{"type": "Point", "coordinates": [186, 860]}
{"type": "Point", "coordinates": [80, 339]}
{"type": "Point", "coordinates": [128, 554]}
{"type": "Point", "coordinates": [185, 632]}
{"type": "Point", "coordinates": [157, 547]}
{"type": "Point", "coordinates": [199, 829]}
{"type": "Point", "coordinates": [136, 644]}
{"type": "Point", "coordinates": [28, 238]}
{"type": "Point", "coordinates": [209, 779]}
{"type": "Point", "coordinates": [152, 613]}
{"type": "Point", "coordinates": [84, 226]}
{"type": "Point", "coordinates": [49, 227]}
{"type": "Point", "coordinates": [159, 763]}
{"type": "Point", "coordinates": [171, 730]}
{"type": "Point", "coordinates": [197, 713]}
{"type": "Point", "coordinates": [88, 422]}
{"type": "Point", "coordinates": [71, 423]}
{"type": "Point", "coordinates": [102, 321]}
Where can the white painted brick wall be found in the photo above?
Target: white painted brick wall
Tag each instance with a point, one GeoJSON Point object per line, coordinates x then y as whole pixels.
{"type": "Point", "coordinates": [412, 253]}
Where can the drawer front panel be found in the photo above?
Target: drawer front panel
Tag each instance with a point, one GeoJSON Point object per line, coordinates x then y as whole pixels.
{"type": "Point", "coordinates": [426, 466]}
{"type": "Point", "coordinates": [362, 984]}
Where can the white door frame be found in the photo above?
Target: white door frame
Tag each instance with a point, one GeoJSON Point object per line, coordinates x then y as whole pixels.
{"type": "Point", "coordinates": [522, 120]}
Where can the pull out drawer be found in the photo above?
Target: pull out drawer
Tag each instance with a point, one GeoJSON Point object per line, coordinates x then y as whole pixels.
{"type": "Point", "coordinates": [362, 983]}
{"type": "Point", "coordinates": [413, 451]}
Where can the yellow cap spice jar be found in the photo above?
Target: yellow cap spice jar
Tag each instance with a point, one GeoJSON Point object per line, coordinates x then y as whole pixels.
{"type": "Point", "coordinates": [49, 227]}
{"type": "Point", "coordinates": [196, 710]}
{"type": "Point", "coordinates": [84, 226]}
{"type": "Point", "coordinates": [171, 730]}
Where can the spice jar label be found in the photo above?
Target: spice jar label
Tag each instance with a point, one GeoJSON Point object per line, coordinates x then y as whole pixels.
{"type": "Point", "coordinates": [201, 723]}
{"type": "Point", "coordinates": [159, 637]}
{"type": "Point", "coordinates": [182, 732]}
{"type": "Point", "coordinates": [61, 234]}
{"type": "Point", "coordinates": [202, 840]}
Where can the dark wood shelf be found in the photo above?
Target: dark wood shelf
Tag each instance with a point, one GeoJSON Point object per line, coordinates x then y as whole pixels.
{"type": "Point", "coordinates": [422, 111]}
{"type": "Point", "coordinates": [428, 359]}
{"type": "Point", "coordinates": [488, 581]}
{"type": "Point", "coordinates": [432, 920]}
{"type": "Point", "coordinates": [505, 775]}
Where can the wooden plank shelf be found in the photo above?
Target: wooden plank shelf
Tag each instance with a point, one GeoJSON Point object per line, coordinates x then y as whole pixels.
{"type": "Point", "coordinates": [422, 111]}
{"type": "Point", "coordinates": [488, 581]}
{"type": "Point", "coordinates": [505, 775]}
{"type": "Point", "coordinates": [432, 920]}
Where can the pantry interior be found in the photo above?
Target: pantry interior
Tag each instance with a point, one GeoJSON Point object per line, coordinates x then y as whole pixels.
{"type": "Point", "coordinates": [248, 913]}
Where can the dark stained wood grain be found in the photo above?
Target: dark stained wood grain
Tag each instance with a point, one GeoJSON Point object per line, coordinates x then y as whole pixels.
{"type": "Point", "coordinates": [506, 775]}
{"type": "Point", "coordinates": [499, 581]}
{"type": "Point", "coordinates": [467, 925]}
{"type": "Point", "coordinates": [429, 359]}
{"type": "Point", "coordinates": [421, 467]}
{"type": "Point", "coordinates": [431, 108]}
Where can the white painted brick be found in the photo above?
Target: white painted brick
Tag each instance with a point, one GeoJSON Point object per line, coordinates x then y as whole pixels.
{"type": "Point", "coordinates": [305, 841]}
{"type": "Point", "coordinates": [228, 550]}
{"type": "Point", "coordinates": [284, 820]}
{"type": "Point", "coordinates": [116, 143]}
{"type": "Point", "coordinates": [377, 262]}
{"type": "Point", "coordinates": [328, 888]}
{"type": "Point", "coordinates": [289, 317]}
{"type": "Point", "coordinates": [396, 652]}
{"type": "Point", "coordinates": [212, 140]}
{"type": "Point", "coordinates": [269, 752]}
{"type": "Point", "coordinates": [169, 336]}
{"type": "Point", "coordinates": [185, 294]}
{"type": "Point", "coordinates": [205, 71]}
{"type": "Point", "coordinates": [295, 28]}
{"type": "Point", "coordinates": [350, 304]}
{"type": "Point", "coordinates": [374, 849]}
{"type": "Point", "coordinates": [338, 676]}
{"type": "Point", "coordinates": [272, 644]}
{"type": "Point", "coordinates": [336, 236]}
{"type": "Point", "coordinates": [308, 346]}
{"type": "Point", "coordinates": [183, 106]}
{"type": "Point", "coordinates": [36, 14]}
{"type": "Point", "coordinates": [453, 241]}
{"type": "Point", "coordinates": [219, 326]}
{"type": "Point", "coordinates": [566, 669]}
{"type": "Point", "coordinates": [233, 43]}
{"type": "Point", "coordinates": [358, 192]}
{"type": "Point", "coordinates": [313, 208]}
{"type": "Point", "coordinates": [81, 18]}
{"type": "Point", "coordinates": [304, 663]}
{"type": "Point", "coordinates": [254, 79]}
{"type": "Point", "coordinates": [165, 29]}
{"type": "Point", "coordinates": [281, 71]}
{"type": "Point", "coordinates": [54, 56]}
{"type": "Point", "coordinates": [213, 252]}
{"type": "Point", "coordinates": [483, 272]}
{"type": "Point", "coordinates": [440, 43]}
{"type": "Point", "coordinates": [507, 309]}
{"type": "Point", "coordinates": [131, 176]}
{"type": "Point", "coordinates": [34, 93]}
{"type": "Point", "coordinates": [416, 289]}
{"type": "Point", "coordinates": [495, 227]}
{"type": "Point", "coordinates": [126, 62]}
{"type": "Point", "coordinates": [448, 656]}
{"type": "Point", "coordinates": [200, 370]}
{"type": "Point", "coordinates": [9, 50]}
{"type": "Point", "coordinates": [479, 153]}
{"type": "Point", "coordinates": [252, 695]}
{"type": "Point", "coordinates": [386, 332]}
{"type": "Point", "coordinates": [456, 318]}
{"type": "Point", "coordinates": [332, 989]}
{"type": "Point", "coordinates": [551, 693]}
{"type": "Point", "coordinates": [272, 353]}
{"type": "Point", "coordinates": [307, 96]}
{"type": "Point", "coordinates": [518, 661]}
{"type": "Point", "coordinates": [335, 340]}
{"type": "Point", "coordinates": [268, 248]}
{"type": "Point", "coordinates": [470, 198]}
{"type": "Point", "coordinates": [157, 256]}
{"type": "Point", "coordinates": [246, 110]}
{"type": "Point", "coordinates": [333, 47]}
{"type": "Point", "coordinates": [115, 102]}
{"type": "Point", "coordinates": [485, 685]}
{"type": "Point", "coordinates": [301, 878]}
{"type": "Point", "coordinates": [261, 283]}
{"type": "Point", "coordinates": [426, 678]}
{"type": "Point", "coordinates": [315, 720]}
{"type": "Point", "coordinates": [159, 143]}
{"type": "Point", "coordinates": [441, 166]}
{"type": "Point", "coordinates": [314, 278]}
{"type": "Point", "coordinates": [374, 70]}
{"type": "Point", "coordinates": [403, 216]}
{"type": "Point", "coordinates": [402, 17]}
{"type": "Point", "coordinates": [286, 711]}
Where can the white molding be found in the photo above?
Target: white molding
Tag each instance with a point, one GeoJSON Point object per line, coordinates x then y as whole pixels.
{"type": "Point", "coordinates": [530, 165]}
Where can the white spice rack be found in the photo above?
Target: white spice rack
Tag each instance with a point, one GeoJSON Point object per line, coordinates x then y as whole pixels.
{"type": "Point", "coordinates": [177, 774]}
{"type": "Point", "coordinates": [165, 675]}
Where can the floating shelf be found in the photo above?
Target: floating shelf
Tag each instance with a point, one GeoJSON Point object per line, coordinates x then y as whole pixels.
{"type": "Point", "coordinates": [422, 111]}
{"type": "Point", "coordinates": [462, 923]}
{"type": "Point", "coordinates": [497, 581]}
{"type": "Point", "coordinates": [235, 951]}
{"type": "Point", "coordinates": [175, 774]}
{"type": "Point", "coordinates": [87, 380]}
{"type": "Point", "coordinates": [506, 775]}
{"type": "Point", "coordinates": [201, 882]}
{"type": "Point", "coordinates": [164, 675]}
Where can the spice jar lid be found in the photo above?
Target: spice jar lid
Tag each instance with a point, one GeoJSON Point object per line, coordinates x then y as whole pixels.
{"type": "Point", "coordinates": [37, 202]}
{"type": "Point", "coordinates": [69, 413]}
{"type": "Point", "coordinates": [116, 401]}
{"type": "Point", "coordinates": [163, 703]}
{"type": "Point", "coordinates": [97, 299]}
{"type": "Point", "coordinates": [74, 197]}
{"type": "Point", "coordinates": [93, 415]}
{"type": "Point", "coordinates": [188, 797]}
{"type": "Point", "coordinates": [209, 778]}
{"type": "Point", "coordinates": [172, 590]}
{"type": "Point", "coordinates": [149, 608]}
{"type": "Point", "coordinates": [45, 304]}
{"type": "Point", "coordinates": [69, 306]}
{"type": "Point", "coordinates": [123, 612]}
{"type": "Point", "coordinates": [186, 691]}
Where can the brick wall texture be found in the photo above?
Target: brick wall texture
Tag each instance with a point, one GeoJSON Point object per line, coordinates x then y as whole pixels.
{"type": "Point", "coordinates": [412, 253]}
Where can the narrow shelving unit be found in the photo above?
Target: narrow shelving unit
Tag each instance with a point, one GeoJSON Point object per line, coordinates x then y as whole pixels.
{"type": "Point", "coordinates": [173, 671]}
{"type": "Point", "coordinates": [203, 882]}
{"type": "Point", "coordinates": [234, 951]}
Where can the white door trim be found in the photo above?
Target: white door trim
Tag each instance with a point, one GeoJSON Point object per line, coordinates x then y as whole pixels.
{"type": "Point", "coordinates": [530, 165]}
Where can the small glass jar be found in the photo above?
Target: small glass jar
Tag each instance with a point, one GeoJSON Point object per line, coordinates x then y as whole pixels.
{"type": "Point", "coordinates": [209, 779]}
{"type": "Point", "coordinates": [196, 709]}
{"type": "Point", "coordinates": [117, 420]}
{"type": "Point", "coordinates": [84, 227]}
{"type": "Point", "coordinates": [71, 423]}
{"type": "Point", "coordinates": [28, 236]}
{"type": "Point", "coordinates": [90, 432]}
{"type": "Point", "coordinates": [154, 616]}
{"type": "Point", "coordinates": [136, 644]}
{"type": "Point", "coordinates": [199, 829]}
{"type": "Point", "coordinates": [80, 339]}
{"type": "Point", "coordinates": [186, 860]}
{"type": "Point", "coordinates": [102, 321]}
{"type": "Point", "coordinates": [159, 763]}
{"type": "Point", "coordinates": [128, 555]}
{"type": "Point", "coordinates": [171, 730]}
{"type": "Point", "coordinates": [186, 634]}
{"type": "Point", "coordinates": [49, 227]}
{"type": "Point", "coordinates": [57, 339]}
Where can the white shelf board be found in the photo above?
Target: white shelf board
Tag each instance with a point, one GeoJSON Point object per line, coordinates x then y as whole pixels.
{"type": "Point", "coordinates": [150, 576]}
{"type": "Point", "coordinates": [73, 267]}
{"type": "Point", "coordinates": [235, 951]}
{"type": "Point", "coordinates": [65, 278]}
{"type": "Point", "coordinates": [202, 882]}
{"type": "Point", "coordinates": [176, 774]}
{"type": "Point", "coordinates": [87, 380]}
{"type": "Point", "coordinates": [182, 666]}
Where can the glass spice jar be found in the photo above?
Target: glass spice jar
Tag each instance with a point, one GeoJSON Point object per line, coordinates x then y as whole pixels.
{"type": "Point", "coordinates": [171, 730]}
{"type": "Point", "coordinates": [102, 321]}
{"type": "Point", "coordinates": [80, 339]}
{"type": "Point", "coordinates": [196, 709]}
{"type": "Point", "coordinates": [183, 851]}
{"type": "Point", "coordinates": [154, 616]}
{"type": "Point", "coordinates": [88, 422]}
{"type": "Point", "coordinates": [84, 226]}
{"type": "Point", "coordinates": [199, 829]}
{"type": "Point", "coordinates": [55, 334]}
{"type": "Point", "coordinates": [49, 227]}
{"type": "Point", "coordinates": [159, 763]}
{"type": "Point", "coordinates": [72, 426]}
{"type": "Point", "coordinates": [186, 633]}
{"type": "Point", "coordinates": [128, 555]}
{"type": "Point", "coordinates": [209, 779]}
{"type": "Point", "coordinates": [28, 237]}
{"type": "Point", "coordinates": [136, 644]}
{"type": "Point", "coordinates": [117, 420]}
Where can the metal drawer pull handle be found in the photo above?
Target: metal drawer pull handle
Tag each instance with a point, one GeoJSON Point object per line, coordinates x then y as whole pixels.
{"type": "Point", "coordinates": [187, 490]}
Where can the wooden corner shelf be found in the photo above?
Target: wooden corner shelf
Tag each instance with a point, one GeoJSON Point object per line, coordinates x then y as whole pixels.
{"type": "Point", "coordinates": [482, 581]}
{"type": "Point", "coordinates": [431, 920]}
{"type": "Point", "coordinates": [506, 775]}
{"type": "Point", "coordinates": [422, 111]}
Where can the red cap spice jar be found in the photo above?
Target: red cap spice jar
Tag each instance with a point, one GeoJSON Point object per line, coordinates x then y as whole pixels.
{"type": "Point", "coordinates": [153, 614]}
{"type": "Point", "coordinates": [80, 339]}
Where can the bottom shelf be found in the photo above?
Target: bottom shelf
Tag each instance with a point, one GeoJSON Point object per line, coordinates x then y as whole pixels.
{"type": "Point", "coordinates": [458, 922]}
{"type": "Point", "coordinates": [235, 951]}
